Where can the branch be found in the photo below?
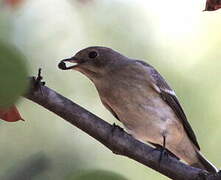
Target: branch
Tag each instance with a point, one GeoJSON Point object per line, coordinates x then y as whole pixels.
{"type": "Point", "coordinates": [113, 137]}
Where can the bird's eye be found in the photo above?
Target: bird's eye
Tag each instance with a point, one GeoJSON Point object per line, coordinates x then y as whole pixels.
{"type": "Point", "coordinates": [92, 54]}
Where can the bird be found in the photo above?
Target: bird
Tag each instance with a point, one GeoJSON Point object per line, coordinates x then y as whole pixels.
{"type": "Point", "coordinates": [141, 99]}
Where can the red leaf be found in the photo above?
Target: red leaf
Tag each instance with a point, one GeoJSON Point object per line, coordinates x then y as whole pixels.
{"type": "Point", "coordinates": [212, 5]}
{"type": "Point", "coordinates": [10, 114]}
{"type": "Point", "coordinates": [13, 3]}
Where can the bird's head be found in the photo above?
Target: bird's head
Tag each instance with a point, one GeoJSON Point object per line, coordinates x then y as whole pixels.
{"type": "Point", "coordinates": [94, 61]}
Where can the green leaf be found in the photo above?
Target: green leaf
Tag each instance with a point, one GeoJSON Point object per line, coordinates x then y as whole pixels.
{"type": "Point", "coordinates": [13, 75]}
{"type": "Point", "coordinates": [97, 175]}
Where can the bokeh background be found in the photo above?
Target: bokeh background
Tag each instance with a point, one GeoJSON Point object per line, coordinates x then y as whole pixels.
{"type": "Point", "coordinates": [175, 36]}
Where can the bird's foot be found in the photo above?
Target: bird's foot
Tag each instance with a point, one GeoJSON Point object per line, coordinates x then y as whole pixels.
{"type": "Point", "coordinates": [163, 153]}
{"type": "Point", "coordinates": [113, 130]}
{"type": "Point", "coordinates": [114, 127]}
{"type": "Point", "coordinates": [159, 148]}
{"type": "Point", "coordinates": [38, 83]}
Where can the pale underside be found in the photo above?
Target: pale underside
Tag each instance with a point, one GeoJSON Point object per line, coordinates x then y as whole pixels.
{"type": "Point", "coordinates": [146, 115]}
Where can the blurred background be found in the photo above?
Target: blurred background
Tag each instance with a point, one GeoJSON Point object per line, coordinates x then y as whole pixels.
{"type": "Point", "coordinates": [175, 36]}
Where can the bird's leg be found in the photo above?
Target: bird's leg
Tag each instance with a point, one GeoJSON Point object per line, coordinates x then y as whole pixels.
{"type": "Point", "coordinates": [163, 150]}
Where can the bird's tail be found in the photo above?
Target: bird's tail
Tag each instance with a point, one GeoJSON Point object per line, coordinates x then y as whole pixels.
{"type": "Point", "coordinates": [203, 163]}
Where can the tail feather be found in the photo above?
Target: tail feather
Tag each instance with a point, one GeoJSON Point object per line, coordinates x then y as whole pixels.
{"type": "Point", "coordinates": [203, 163]}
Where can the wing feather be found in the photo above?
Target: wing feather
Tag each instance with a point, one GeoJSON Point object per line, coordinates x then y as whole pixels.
{"type": "Point", "coordinates": [169, 96]}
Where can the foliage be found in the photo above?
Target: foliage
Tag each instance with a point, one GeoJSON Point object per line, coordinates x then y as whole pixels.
{"type": "Point", "coordinates": [13, 75]}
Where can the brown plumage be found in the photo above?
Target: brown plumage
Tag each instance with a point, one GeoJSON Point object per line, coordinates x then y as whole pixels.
{"type": "Point", "coordinates": [137, 95]}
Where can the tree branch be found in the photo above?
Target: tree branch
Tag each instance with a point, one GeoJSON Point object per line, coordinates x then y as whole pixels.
{"type": "Point", "coordinates": [113, 137]}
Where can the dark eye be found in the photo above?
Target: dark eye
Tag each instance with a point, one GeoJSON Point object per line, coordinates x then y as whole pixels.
{"type": "Point", "coordinates": [92, 54]}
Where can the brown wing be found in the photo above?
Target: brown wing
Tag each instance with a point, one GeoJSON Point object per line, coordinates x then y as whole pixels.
{"type": "Point", "coordinates": [173, 102]}
{"type": "Point", "coordinates": [169, 96]}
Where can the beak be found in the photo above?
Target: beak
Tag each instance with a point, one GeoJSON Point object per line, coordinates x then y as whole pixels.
{"type": "Point", "coordinates": [63, 64]}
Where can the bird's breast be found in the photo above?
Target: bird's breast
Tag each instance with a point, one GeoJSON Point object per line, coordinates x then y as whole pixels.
{"type": "Point", "coordinates": [142, 111]}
